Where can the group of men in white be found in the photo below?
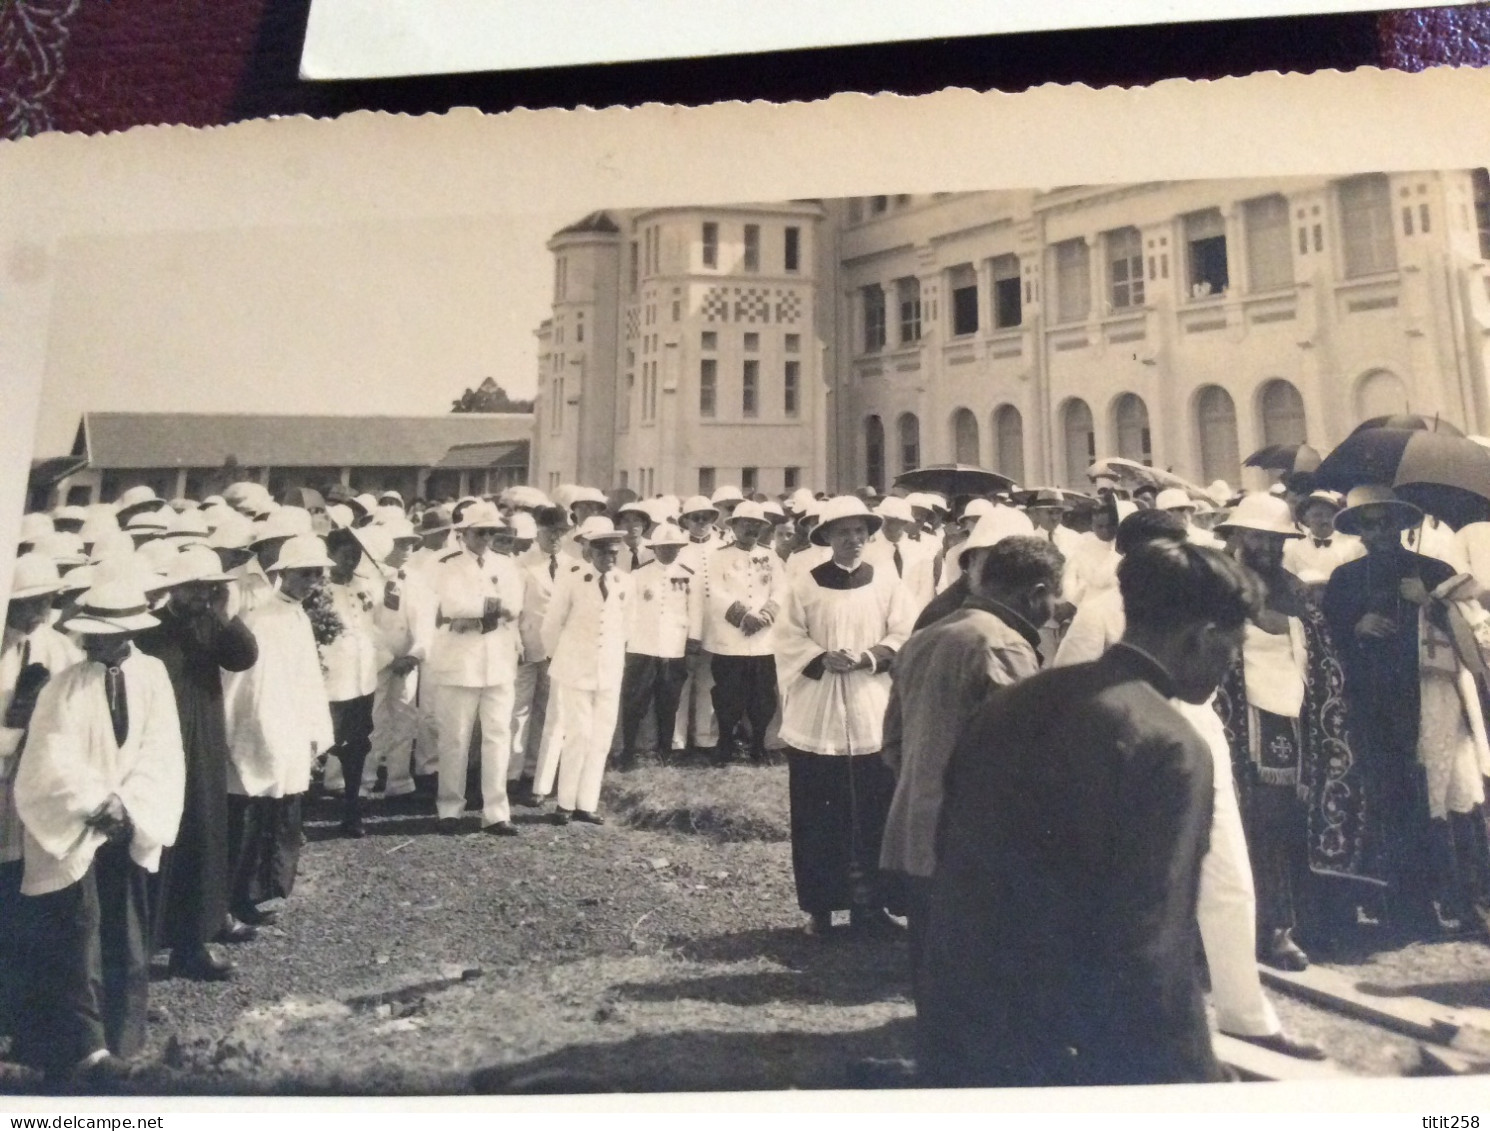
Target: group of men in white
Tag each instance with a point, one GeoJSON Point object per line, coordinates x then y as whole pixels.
{"type": "Point", "coordinates": [154, 648]}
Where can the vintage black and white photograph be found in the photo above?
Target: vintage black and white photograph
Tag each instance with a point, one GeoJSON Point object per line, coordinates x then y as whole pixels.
{"type": "Point", "coordinates": [1020, 636]}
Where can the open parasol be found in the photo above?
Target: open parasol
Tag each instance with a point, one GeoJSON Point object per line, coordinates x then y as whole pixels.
{"type": "Point", "coordinates": [1284, 457]}
{"type": "Point", "coordinates": [952, 479]}
{"type": "Point", "coordinates": [1426, 461]}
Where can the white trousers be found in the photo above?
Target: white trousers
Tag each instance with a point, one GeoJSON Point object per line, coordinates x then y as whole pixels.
{"type": "Point", "coordinates": [395, 723]}
{"type": "Point", "coordinates": [427, 733]}
{"type": "Point", "coordinates": [696, 706]}
{"type": "Point", "coordinates": [1227, 912]}
{"type": "Point", "coordinates": [456, 712]}
{"type": "Point", "coordinates": [546, 772]}
{"type": "Point", "coordinates": [529, 705]}
{"type": "Point", "coordinates": [589, 720]}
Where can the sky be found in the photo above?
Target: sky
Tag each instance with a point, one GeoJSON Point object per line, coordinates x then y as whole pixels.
{"type": "Point", "coordinates": [396, 317]}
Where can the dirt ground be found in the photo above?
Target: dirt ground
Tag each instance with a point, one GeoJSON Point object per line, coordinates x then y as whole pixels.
{"type": "Point", "coordinates": [660, 952]}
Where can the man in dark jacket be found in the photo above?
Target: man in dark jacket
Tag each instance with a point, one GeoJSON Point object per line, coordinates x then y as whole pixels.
{"type": "Point", "coordinates": [197, 641]}
{"type": "Point", "coordinates": [1062, 943]}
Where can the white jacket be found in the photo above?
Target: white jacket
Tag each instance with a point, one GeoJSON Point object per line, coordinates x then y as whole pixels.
{"type": "Point", "coordinates": [72, 763]}
{"type": "Point", "coordinates": [585, 635]}
{"type": "Point", "coordinates": [462, 655]}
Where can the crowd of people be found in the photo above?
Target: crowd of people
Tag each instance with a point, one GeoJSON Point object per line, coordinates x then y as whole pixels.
{"type": "Point", "coordinates": [1048, 738]}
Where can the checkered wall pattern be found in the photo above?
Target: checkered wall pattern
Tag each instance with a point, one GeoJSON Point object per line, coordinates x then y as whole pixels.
{"type": "Point", "coordinates": [750, 305]}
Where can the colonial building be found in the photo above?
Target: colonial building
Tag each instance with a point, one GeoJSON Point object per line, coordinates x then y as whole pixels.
{"type": "Point", "coordinates": [1182, 324]}
{"type": "Point", "coordinates": [195, 454]}
{"type": "Point", "coordinates": [684, 351]}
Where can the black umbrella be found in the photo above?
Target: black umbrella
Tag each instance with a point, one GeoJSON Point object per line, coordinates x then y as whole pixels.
{"type": "Point", "coordinates": [1284, 457]}
{"type": "Point", "coordinates": [1438, 469]}
{"type": "Point", "coordinates": [954, 479]}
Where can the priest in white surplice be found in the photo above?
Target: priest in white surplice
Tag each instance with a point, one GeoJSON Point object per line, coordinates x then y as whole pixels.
{"type": "Point", "coordinates": [99, 793]}
{"type": "Point", "coordinates": [843, 623]}
{"type": "Point", "coordinates": [278, 719]}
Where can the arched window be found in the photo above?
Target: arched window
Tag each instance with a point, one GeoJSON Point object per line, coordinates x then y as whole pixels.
{"type": "Point", "coordinates": [1130, 420]}
{"type": "Point", "coordinates": [1282, 414]}
{"type": "Point", "coordinates": [874, 452]}
{"type": "Point", "coordinates": [1380, 393]}
{"type": "Point", "coordinates": [965, 436]}
{"type": "Point", "coordinates": [1081, 440]}
{"type": "Point", "coordinates": [1215, 416]}
{"type": "Point", "coordinates": [910, 442]}
{"type": "Point", "coordinates": [1008, 439]}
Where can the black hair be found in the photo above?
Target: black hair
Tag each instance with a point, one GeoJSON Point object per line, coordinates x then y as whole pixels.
{"type": "Point", "coordinates": [1021, 561]}
{"type": "Point", "coordinates": [549, 518]}
{"type": "Point", "coordinates": [339, 539]}
{"type": "Point", "coordinates": [1143, 527]}
{"type": "Point", "coordinates": [1167, 584]}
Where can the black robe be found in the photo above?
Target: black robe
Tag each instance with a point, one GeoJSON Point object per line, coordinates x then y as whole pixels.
{"type": "Point", "coordinates": [1061, 947]}
{"type": "Point", "coordinates": [193, 879]}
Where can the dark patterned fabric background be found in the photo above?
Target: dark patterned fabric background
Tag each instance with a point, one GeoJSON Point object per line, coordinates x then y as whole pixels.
{"type": "Point", "coordinates": [100, 65]}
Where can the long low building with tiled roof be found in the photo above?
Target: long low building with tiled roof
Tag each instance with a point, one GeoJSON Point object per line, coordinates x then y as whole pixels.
{"type": "Point", "coordinates": [195, 454]}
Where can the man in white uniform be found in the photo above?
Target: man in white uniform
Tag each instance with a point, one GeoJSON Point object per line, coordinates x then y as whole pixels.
{"type": "Point", "coordinates": [473, 667]}
{"type": "Point", "coordinates": [663, 632]}
{"type": "Point", "coordinates": [584, 631]}
{"type": "Point", "coordinates": [743, 589]}
{"type": "Point", "coordinates": [1322, 549]}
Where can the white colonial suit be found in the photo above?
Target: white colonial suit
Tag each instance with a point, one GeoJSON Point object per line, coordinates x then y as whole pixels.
{"type": "Point", "coordinates": [585, 634]}
{"type": "Point", "coordinates": [474, 673]}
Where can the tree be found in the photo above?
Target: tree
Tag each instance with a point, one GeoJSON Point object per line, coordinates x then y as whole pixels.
{"type": "Point", "coordinates": [489, 397]}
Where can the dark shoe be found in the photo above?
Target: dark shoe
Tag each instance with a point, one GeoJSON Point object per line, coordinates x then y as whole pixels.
{"type": "Point", "coordinates": [352, 827]}
{"type": "Point", "coordinates": [234, 931]}
{"type": "Point", "coordinates": [1282, 953]}
{"type": "Point", "coordinates": [203, 966]}
{"type": "Point", "coordinates": [820, 924]}
{"type": "Point", "coordinates": [501, 828]}
{"type": "Point", "coordinates": [520, 786]}
{"type": "Point", "coordinates": [588, 818]}
{"type": "Point", "coordinates": [448, 826]}
{"type": "Point", "coordinates": [254, 916]}
{"type": "Point", "coordinates": [559, 817]}
{"type": "Point", "coordinates": [529, 800]}
{"type": "Point", "coordinates": [1298, 1047]}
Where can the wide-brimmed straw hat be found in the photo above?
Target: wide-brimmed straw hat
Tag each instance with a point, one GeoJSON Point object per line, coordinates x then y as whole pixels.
{"type": "Point", "coordinates": [667, 534]}
{"type": "Point", "coordinates": [993, 528]}
{"type": "Point", "coordinates": [1173, 499]}
{"type": "Point", "coordinates": [195, 563]}
{"type": "Point", "coordinates": [1261, 511]}
{"type": "Point", "coordinates": [1332, 499]}
{"type": "Point", "coordinates": [598, 528]}
{"type": "Point", "coordinates": [63, 548]}
{"type": "Point", "coordinates": [1404, 515]}
{"type": "Point", "coordinates": [524, 527]}
{"type": "Point", "coordinates": [155, 521]}
{"type": "Point", "coordinates": [481, 515]}
{"type": "Point", "coordinates": [111, 608]}
{"type": "Point", "coordinates": [698, 504]}
{"type": "Point", "coordinates": [976, 509]}
{"type": "Point", "coordinates": [748, 512]}
{"type": "Point", "coordinates": [35, 575]}
{"type": "Point", "coordinates": [285, 522]}
{"type": "Point", "coordinates": [840, 509]}
{"type": "Point", "coordinates": [303, 551]}
{"type": "Point", "coordinates": [894, 507]}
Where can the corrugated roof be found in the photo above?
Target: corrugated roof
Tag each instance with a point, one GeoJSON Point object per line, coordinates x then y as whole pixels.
{"type": "Point", "coordinates": [483, 455]}
{"type": "Point", "coordinates": [170, 439]}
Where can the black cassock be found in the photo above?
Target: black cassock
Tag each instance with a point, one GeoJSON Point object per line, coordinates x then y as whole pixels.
{"type": "Point", "coordinates": [193, 881]}
{"type": "Point", "coordinates": [1061, 947]}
